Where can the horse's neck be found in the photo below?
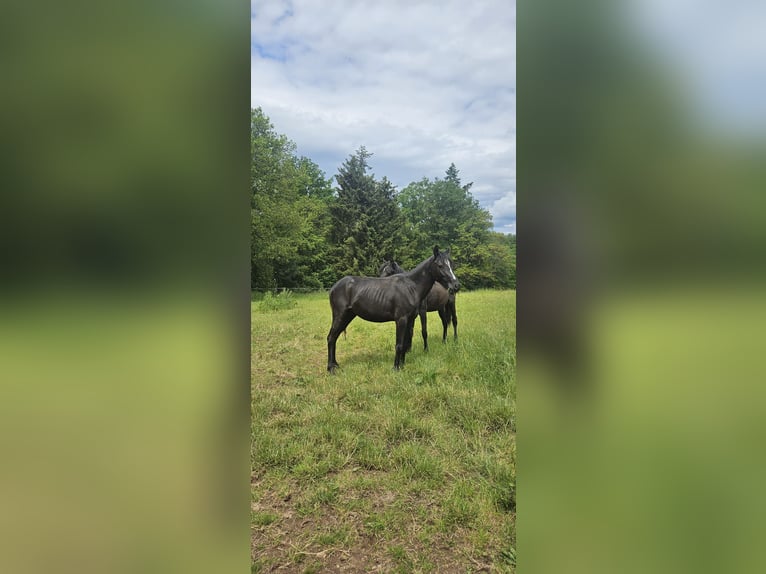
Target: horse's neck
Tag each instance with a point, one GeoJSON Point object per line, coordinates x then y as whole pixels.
{"type": "Point", "coordinates": [421, 276]}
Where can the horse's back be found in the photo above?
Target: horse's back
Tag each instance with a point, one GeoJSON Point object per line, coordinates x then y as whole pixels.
{"type": "Point", "coordinates": [373, 298]}
{"type": "Point", "coordinates": [339, 292]}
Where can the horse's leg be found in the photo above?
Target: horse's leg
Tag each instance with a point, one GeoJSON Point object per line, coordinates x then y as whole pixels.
{"type": "Point", "coordinates": [339, 323]}
{"type": "Point", "coordinates": [424, 326]}
{"type": "Point", "coordinates": [444, 316]}
{"type": "Point", "coordinates": [410, 332]}
{"type": "Point", "coordinates": [453, 312]}
{"type": "Point", "coordinates": [402, 324]}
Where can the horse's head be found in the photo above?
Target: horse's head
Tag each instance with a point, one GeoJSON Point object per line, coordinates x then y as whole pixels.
{"type": "Point", "coordinates": [441, 270]}
{"type": "Point", "coordinates": [390, 267]}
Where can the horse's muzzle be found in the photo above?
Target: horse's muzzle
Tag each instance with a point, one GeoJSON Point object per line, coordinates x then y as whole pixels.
{"type": "Point", "coordinates": [454, 287]}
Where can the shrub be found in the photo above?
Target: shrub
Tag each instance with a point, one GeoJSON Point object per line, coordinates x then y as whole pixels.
{"type": "Point", "coordinates": [283, 300]}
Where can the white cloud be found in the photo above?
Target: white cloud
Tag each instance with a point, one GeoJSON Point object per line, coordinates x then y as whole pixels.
{"type": "Point", "coordinates": [421, 85]}
{"type": "Point", "coordinates": [504, 212]}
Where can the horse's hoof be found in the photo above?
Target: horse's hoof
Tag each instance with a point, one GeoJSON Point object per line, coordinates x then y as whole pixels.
{"type": "Point", "coordinates": [331, 368]}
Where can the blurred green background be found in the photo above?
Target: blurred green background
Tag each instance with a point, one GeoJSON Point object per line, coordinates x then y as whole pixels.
{"type": "Point", "coordinates": [124, 293]}
{"type": "Point", "coordinates": [641, 300]}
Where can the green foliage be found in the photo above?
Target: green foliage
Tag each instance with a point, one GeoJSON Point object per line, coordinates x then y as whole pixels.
{"type": "Point", "coordinates": [288, 203]}
{"type": "Point", "coordinates": [444, 212]}
{"type": "Point", "coordinates": [304, 233]}
{"type": "Point", "coordinates": [501, 259]}
{"type": "Point", "coordinates": [366, 220]}
{"type": "Point", "coordinates": [283, 300]}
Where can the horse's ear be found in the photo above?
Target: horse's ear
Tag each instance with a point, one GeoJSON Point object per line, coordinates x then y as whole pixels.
{"type": "Point", "coordinates": [436, 250]}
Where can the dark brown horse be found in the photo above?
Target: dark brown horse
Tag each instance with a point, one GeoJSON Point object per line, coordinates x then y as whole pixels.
{"type": "Point", "coordinates": [379, 299]}
{"type": "Point", "coordinates": [438, 299]}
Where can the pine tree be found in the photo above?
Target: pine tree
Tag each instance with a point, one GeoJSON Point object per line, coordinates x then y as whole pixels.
{"type": "Point", "coordinates": [366, 221]}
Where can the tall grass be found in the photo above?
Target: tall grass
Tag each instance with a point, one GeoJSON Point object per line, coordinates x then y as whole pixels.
{"type": "Point", "coordinates": [412, 469]}
{"type": "Point", "coordinates": [282, 300]}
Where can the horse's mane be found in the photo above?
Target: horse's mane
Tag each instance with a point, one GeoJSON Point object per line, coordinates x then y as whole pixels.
{"type": "Point", "coordinates": [392, 266]}
{"type": "Point", "coordinates": [421, 267]}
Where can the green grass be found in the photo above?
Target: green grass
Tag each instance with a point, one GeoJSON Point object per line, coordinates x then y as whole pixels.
{"type": "Point", "coordinates": [411, 469]}
{"type": "Point", "coordinates": [280, 301]}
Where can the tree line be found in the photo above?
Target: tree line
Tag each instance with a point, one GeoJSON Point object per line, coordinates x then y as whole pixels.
{"type": "Point", "coordinates": [307, 231]}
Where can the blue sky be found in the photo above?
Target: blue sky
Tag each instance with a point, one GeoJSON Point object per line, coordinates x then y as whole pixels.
{"type": "Point", "coordinates": [419, 84]}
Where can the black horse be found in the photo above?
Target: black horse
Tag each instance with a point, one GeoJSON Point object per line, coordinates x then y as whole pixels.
{"type": "Point", "coordinates": [438, 299]}
{"type": "Point", "coordinates": [380, 299]}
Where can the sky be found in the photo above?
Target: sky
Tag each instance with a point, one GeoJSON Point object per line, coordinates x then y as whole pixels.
{"type": "Point", "coordinates": [715, 50]}
{"type": "Point", "coordinates": [420, 84]}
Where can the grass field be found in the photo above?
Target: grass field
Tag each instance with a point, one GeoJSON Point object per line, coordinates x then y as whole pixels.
{"type": "Point", "coordinates": [377, 470]}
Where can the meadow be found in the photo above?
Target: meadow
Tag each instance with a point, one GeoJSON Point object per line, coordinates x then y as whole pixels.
{"type": "Point", "coordinates": [373, 469]}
